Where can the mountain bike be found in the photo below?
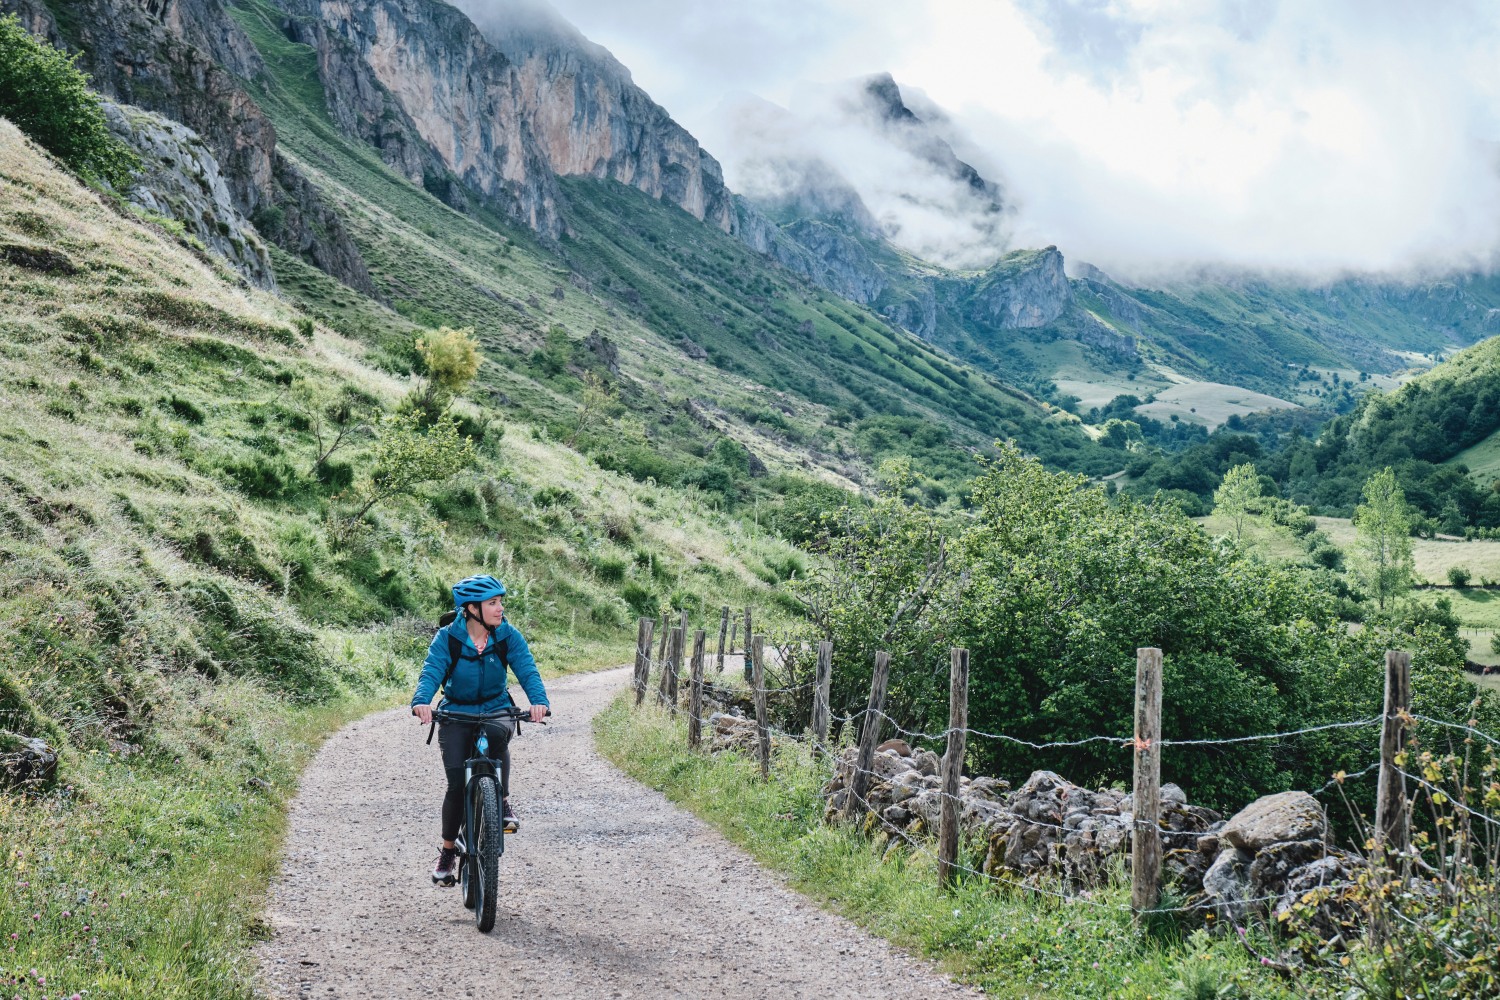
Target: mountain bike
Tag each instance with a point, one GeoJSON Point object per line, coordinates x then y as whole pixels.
{"type": "Point", "coordinates": [481, 839]}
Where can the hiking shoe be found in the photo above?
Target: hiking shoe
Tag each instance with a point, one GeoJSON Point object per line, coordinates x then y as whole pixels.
{"type": "Point", "coordinates": [445, 871]}
{"type": "Point", "coordinates": [508, 821]}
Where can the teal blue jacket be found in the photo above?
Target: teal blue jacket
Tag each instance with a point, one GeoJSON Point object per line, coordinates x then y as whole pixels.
{"type": "Point", "coordinates": [477, 682]}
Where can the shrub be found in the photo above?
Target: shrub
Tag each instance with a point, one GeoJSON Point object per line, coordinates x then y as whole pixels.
{"type": "Point", "coordinates": [555, 496]}
{"type": "Point", "coordinates": [263, 476]}
{"type": "Point", "coordinates": [1436, 935]}
{"type": "Point", "coordinates": [640, 599]}
{"type": "Point", "coordinates": [1458, 576]}
{"type": "Point", "coordinates": [609, 569]}
{"type": "Point", "coordinates": [185, 408]}
{"type": "Point", "coordinates": [48, 98]}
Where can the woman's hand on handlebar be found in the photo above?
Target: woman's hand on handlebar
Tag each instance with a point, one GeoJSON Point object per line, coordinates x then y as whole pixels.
{"type": "Point", "coordinates": [423, 713]}
{"type": "Point", "coordinates": [538, 713]}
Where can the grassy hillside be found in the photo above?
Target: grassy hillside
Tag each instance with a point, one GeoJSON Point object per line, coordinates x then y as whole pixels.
{"type": "Point", "coordinates": [177, 617]}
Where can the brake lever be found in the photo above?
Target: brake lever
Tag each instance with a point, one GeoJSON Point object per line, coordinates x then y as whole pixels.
{"type": "Point", "coordinates": [431, 728]}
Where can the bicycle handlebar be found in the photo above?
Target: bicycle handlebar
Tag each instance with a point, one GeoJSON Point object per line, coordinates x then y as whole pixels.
{"type": "Point", "coordinates": [448, 715]}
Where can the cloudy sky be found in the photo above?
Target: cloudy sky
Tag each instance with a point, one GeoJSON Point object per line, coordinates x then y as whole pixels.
{"type": "Point", "coordinates": [1140, 135]}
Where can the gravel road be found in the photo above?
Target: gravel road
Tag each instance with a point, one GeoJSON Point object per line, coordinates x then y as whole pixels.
{"type": "Point", "coordinates": [608, 890]}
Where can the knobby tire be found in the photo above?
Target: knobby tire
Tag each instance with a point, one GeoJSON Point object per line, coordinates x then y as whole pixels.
{"type": "Point", "coordinates": [485, 849]}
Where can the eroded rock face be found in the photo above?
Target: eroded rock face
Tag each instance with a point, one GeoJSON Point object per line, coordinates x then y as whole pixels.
{"type": "Point", "coordinates": [1275, 819]}
{"type": "Point", "coordinates": [503, 109]}
{"type": "Point", "coordinates": [188, 61]}
{"type": "Point", "coordinates": [180, 179]}
{"type": "Point", "coordinates": [1023, 291]}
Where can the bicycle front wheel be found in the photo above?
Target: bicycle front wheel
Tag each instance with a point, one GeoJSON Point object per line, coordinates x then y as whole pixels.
{"type": "Point", "coordinates": [486, 848]}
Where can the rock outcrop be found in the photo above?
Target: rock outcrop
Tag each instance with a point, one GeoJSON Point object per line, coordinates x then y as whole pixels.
{"type": "Point", "coordinates": [25, 761]}
{"type": "Point", "coordinates": [1024, 290]}
{"type": "Point", "coordinates": [180, 179]}
{"type": "Point", "coordinates": [188, 60]}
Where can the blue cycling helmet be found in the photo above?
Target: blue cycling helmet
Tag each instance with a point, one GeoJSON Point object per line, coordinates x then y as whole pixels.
{"type": "Point", "coordinates": [476, 590]}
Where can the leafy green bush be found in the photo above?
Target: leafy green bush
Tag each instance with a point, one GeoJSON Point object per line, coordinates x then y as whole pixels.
{"type": "Point", "coordinates": [1458, 576]}
{"type": "Point", "coordinates": [49, 99]}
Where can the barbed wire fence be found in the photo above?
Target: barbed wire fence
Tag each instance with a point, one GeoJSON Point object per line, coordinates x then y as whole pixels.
{"type": "Point", "coordinates": [1146, 743]}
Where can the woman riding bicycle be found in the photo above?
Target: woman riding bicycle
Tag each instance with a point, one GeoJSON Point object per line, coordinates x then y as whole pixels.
{"type": "Point", "coordinates": [468, 660]}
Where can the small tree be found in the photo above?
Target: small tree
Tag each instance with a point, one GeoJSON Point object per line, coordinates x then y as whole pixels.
{"type": "Point", "coordinates": [407, 455]}
{"type": "Point", "coordinates": [336, 421]}
{"type": "Point", "coordinates": [1458, 576]}
{"type": "Point", "coordinates": [597, 395]}
{"type": "Point", "coordinates": [1236, 496]}
{"type": "Point", "coordinates": [49, 99]}
{"type": "Point", "coordinates": [451, 358]}
{"type": "Point", "coordinates": [1383, 550]}
{"type": "Point", "coordinates": [1451, 518]}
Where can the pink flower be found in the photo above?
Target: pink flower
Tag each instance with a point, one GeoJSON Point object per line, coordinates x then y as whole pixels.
{"type": "Point", "coordinates": [85, 928]}
{"type": "Point", "coordinates": [67, 913]}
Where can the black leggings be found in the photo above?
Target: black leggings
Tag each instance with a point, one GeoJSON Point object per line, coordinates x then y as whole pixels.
{"type": "Point", "coordinates": [456, 739]}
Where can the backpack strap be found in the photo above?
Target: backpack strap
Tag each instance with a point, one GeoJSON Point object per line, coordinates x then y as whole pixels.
{"type": "Point", "coordinates": [456, 652]}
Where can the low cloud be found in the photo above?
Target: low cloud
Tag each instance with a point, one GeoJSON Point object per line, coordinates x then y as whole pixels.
{"type": "Point", "coordinates": [836, 152]}
{"type": "Point", "coordinates": [1146, 136]}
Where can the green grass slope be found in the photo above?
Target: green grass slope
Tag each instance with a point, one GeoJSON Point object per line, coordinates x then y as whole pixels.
{"type": "Point", "coordinates": [177, 619]}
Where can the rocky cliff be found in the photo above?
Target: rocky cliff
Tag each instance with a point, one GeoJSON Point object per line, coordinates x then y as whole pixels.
{"type": "Point", "coordinates": [188, 60]}
{"type": "Point", "coordinates": [504, 109]}
{"type": "Point", "coordinates": [180, 179]}
{"type": "Point", "coordinates": [1023, 291]}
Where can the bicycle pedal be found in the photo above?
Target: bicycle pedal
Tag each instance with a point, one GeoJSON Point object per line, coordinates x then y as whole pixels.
{"type": "Point", "coordinates": [511, 827]}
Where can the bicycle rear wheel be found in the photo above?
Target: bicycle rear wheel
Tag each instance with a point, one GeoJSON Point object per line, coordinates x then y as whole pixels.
{"type": "Point", "coordinates": [485, 849]}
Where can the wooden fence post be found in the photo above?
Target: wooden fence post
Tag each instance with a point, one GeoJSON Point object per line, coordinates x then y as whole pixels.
{"type": "Point", "coordinates": [666, 633]}
{"type": "Point", "coordinates": [734, 634]}
{"type": "Point", "coordinates": [1390, 802]}
{"type": "Point", "coordinates": [869, 733]}
{"type": "Point", "coordinates": [953, 765]}
{"type": "Point", "coordinates": [695, 696]}
{"type": "Point", "coordinates": [1145, 837]}
{"type": "Point", "coordinates": [643, 631]}
{"type": "Point", "coordinates": [723, 632]}
{"type": "Point", "coordinates": [666, 692]}
{"type": "Point", "coordinates": [762, 729]}
{"type": "Point", "coordinates": [820, 710]}
{"type": "Point", "coordinates": [748, 668]}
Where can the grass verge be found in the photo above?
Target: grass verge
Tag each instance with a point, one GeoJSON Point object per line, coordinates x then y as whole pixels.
{"type": "Point", "coordinates": [1008, 942]}
{"type": "Point", "coordinates": [146, 877]}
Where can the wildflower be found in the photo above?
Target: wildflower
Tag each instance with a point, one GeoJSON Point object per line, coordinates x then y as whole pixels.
{"type": "Point", "coordinates": [67, 914]}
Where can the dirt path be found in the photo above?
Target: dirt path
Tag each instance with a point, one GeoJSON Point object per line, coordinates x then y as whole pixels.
{"type": "Point", "coordinates": [607, 891]}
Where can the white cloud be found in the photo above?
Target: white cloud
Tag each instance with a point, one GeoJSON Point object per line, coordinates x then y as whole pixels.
{"type": "Point", "coordinates": [1139, 134]}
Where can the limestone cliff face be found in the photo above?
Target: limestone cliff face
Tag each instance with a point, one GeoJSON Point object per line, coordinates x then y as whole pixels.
{"type": "Point", "coordinates": [832, 258]}
{"type": "Point", "coordinates": [1023, 291]}
{"type": "Point", "coordinates": [504, 109]}
{"type": "Point", "coordinates": [188, 60]}
{"type": "Point", "coordinates": [180, 179]}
